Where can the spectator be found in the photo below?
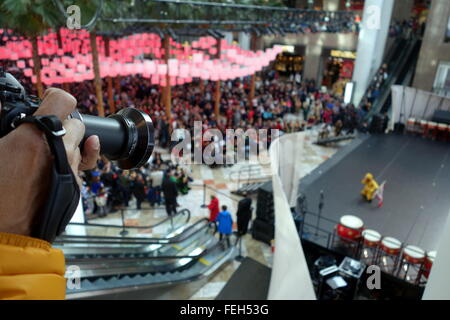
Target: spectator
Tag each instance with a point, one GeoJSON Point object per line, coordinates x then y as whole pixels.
{"type": "Point", "coordinates": [225, 224]}
{"type": "Point", "coordinates": [124, 187]}
{"type": "Point", "coordinates": [244, 214]}
{"type": "Point", "coordinates": [170, 192]}
{"type": "Point", "coordinates": [97, 184]}
{"type": "Point", "coordinates": [153, 195]}
{"type": "Point", "coordinates": [101, 200]}
{"type": "Point", "coordinates": [213, 207]}
{"type": "Point", "coordinates": [138, 189]}
{"type": "Point", "coordinates": [183, 182]}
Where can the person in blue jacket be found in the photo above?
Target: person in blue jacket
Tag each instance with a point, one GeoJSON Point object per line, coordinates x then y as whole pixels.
{"type": "Point", "coordinates": [225, 224]}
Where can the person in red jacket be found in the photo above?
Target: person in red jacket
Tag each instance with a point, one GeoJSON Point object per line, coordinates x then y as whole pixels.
{"type": "Point", "coordinates": [213, 207]}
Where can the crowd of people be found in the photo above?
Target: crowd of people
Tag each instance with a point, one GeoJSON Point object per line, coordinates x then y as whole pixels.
{"type": "Point", "coordinates": [108, 188]}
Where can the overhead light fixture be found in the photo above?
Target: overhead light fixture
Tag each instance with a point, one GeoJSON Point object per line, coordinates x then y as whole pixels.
{"type": "Point", "coordinates": [211, 33]}
{"type": "Point", "coordinates": [172, 34]}
{"type": "Point", "coordinates": [281, 32]}
{"type": "Point", "coordinates": [219, 34]}
{"type": "Point", "coordinates": [256, 31]}
{"type": "Point", "coordinates": [159, 33]}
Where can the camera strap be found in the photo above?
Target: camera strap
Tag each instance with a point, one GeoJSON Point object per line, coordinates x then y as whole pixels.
{"type": "Point", "coordinates": [64, 193]}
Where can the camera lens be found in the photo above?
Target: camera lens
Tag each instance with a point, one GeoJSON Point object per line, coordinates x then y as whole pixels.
{"type": "Point", "coordinates": [127, 136]}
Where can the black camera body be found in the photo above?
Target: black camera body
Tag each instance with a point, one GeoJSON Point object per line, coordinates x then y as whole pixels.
{"type": "Point", "coordinates": [127, 136]}
{"type": "Point", "coordinates": [15, 102]}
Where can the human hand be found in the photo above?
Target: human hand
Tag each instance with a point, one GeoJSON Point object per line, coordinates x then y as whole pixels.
{"type": "Point", "coordinates": [26, 163]}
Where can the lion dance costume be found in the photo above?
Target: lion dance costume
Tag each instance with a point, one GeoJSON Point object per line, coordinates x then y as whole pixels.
{"type": "Point", "coordinates": [370, 187]}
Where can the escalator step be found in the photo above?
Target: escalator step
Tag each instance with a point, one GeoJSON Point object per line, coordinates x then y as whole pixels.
{"type": "Point", "coordinates": [137, 278]}
{"type": "Point", "coordinates": [148, 277]}
{"type": "Point", "coordinates": [100, 282]}
{"type": "Point", "coordinates": [86, 285]}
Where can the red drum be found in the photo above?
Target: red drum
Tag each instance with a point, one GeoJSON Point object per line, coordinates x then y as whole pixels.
{"type": "Point", "coordinates": [391, 245]}
{"type": "Point", "coordinates": [424, 127]}
{"type": "Point", "coordinates": [371, 238]}
{"type": "Point", "coordinates": [429, 263]}
{"type": "Point", "coordinates": [411, 124]}
{"type": "Point", "coordinates": [350, 227]}
{"type": "Point", "coordinates": [432, 128]}
{"type": "Point", "coordinates": [443, 131]}
{"type": "Point", "coordinates": [413, 254]}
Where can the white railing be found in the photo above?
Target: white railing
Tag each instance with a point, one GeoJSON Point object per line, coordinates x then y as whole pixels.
{"type": "Point", "coordinates": [290, 275]}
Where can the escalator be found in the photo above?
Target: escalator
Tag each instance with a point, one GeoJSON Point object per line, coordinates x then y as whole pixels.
{"type": "Point", "coordinates": [139, 266]}
{"type": "Point", "coordinates": [401, 61]}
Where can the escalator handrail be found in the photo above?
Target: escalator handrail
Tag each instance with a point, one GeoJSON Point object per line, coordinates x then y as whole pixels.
{"type": "Point", "coordinates": [124, 259]}
{"type": "Point", "coordinates": [385, 89]}
{"type": "Point", "coordinates": [393, 53]}
{"type": "Point", "coordinates": [140, 240]}
{"type": "Point", "coordinates": [194, 260]}
{"type": "Point", "coordinates": [181, 212]}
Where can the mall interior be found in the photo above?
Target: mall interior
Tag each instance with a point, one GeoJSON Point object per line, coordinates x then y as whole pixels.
{"type": "Point", "coordinates": [343, 111]}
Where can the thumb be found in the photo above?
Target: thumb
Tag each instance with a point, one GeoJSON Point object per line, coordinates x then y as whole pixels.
{"type": "Point", "coordinates": [57, 102]}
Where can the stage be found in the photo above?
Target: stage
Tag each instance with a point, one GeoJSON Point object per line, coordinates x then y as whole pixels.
{"type": "Point", "coordinates": [416, 195]}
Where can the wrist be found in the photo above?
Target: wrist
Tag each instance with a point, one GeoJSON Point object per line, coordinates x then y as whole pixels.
{"type": "Point", "coordinates": [23, 195]}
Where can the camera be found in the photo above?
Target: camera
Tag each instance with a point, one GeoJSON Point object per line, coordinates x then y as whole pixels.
{"type": "Point", "coordinates": [126, 137]}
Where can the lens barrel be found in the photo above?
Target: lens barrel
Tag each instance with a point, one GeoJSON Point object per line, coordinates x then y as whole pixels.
{"type": "Point", "coordinates": [127, 136]}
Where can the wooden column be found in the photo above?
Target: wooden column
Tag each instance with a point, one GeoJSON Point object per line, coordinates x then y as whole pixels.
{"type": "Point", "coordinates": [97, 79]}
{"type": "Point", "coordinates": [167, 90]}
{"type": "Point", "coordinates": [251, 94]}
{"type": "Point", "coordinates": [37, 66]}
{"type": "Point", "coordinates": [117, 84]}
{"type": "Point", "coordinates": [112, 107]}
{"type": "Point", "coordinates": [202, 86]}
{"type": "Point", "coordinates": [217, 88]}
{"type": "Point", "coordinates": [65, 85]}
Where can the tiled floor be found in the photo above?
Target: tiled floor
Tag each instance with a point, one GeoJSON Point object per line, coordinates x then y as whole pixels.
{"type": "Point", "coordinates": [221, 182]}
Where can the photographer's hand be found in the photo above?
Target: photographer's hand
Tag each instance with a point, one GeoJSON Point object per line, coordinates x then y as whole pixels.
{"type": "Point", "coordinates": [25, 163]}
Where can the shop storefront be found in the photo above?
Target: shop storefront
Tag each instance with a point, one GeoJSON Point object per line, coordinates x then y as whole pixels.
{"type": "Point", "coordinates": [290, 61]}
{"type": "Point", "coordinates": [337, 69]}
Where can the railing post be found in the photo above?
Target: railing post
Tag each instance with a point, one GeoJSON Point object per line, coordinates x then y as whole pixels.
{"type": "Point", "coordinates": [320, 211]}
{"type": "Point", "coordinates": [239, 257]}
{"type": "Point", "coordinates": [123, 232]}
{"type": "Point", "coordinates": [204, 196]}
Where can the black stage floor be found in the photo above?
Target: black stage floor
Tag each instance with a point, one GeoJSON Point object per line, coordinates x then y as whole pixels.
{"type": "Point", "coordinates": [416, 195]}
{"type": "Point", "coordinates": [249, 282]}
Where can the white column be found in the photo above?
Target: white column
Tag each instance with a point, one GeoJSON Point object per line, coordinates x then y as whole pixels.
{"type": "Point", "coordinates": [438, 285]}
{"type": "Point", "coordinates": [229, 37]}
{"type": "Point", "coordinates": [244, 40]}
{"type": "Point", "coordinates": [78, 216]}
{"type": "Point", "coordinates": [371, 43]}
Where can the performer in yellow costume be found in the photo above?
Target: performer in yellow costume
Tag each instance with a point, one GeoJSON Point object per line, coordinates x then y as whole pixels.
{"type": "Point", "coordinates": [370, 187]}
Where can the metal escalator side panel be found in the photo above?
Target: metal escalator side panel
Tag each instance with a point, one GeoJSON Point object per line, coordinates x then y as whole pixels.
{"type": "Point", "coordinates": [105, 247]}
{"type": "Point", "coordinates": [99, 266]}
{"type": "Point", "coordinates": [115, 285]}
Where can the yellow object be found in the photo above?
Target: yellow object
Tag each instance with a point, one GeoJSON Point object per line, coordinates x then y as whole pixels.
{"type": "Point", "coordinates": [370, 187]}
{"type": "Point", "coordinates": [30, 269]}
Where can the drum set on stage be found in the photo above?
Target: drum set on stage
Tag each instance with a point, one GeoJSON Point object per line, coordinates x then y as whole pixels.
{"type": "Point", "coordinates": [407, 262]}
